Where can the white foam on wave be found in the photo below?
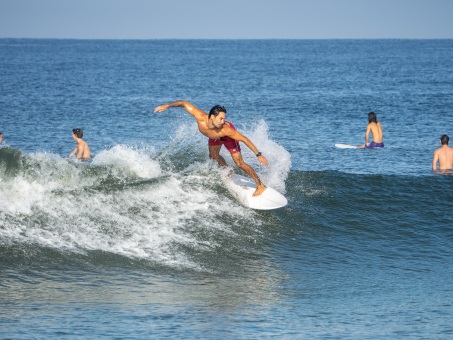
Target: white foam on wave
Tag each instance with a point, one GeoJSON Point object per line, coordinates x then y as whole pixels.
{"type": "Point", "coordinates": [128, 160]}
{"type": "Point", "coordinates": [20, 195]}
{"type": "Point", "coordinates": [162, 221]}
{"type": "Point", "coordinates": [40, 174]}
{"type": "Point", "coordinates": [168, 220]}
{"type": "Point", "coordinates": [279, 158]}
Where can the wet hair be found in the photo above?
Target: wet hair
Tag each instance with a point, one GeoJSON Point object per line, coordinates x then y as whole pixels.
{"type": "Point", "coordinates": [78, 133]}
{"type": "Point", "coordinates": [444, 139]}
{"type": "Point", "coordinates": [216, 110]}
{"type": "Point", "coordinates": [372, 117]}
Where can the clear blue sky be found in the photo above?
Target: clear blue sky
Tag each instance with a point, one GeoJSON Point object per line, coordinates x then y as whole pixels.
{"type": "Point", "coordinates": [226, 19]}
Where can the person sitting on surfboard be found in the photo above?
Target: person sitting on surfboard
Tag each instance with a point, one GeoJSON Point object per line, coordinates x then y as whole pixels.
{"type": "Point", "coordinates": [443, 155]}
{"type": "Point", "coordinates": [221, 132]}
{"type": "Point", "coordinates": [376, 130]}
{"type": "Point", "coordinates": [82, 150]}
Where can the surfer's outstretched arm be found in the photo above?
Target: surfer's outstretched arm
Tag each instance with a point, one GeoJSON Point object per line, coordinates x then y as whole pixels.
{"type": "Point", "coordinates": [192, 109]}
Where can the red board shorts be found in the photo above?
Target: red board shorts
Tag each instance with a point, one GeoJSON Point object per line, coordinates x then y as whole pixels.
{"type": "Point", "coordinates": [231, 144]}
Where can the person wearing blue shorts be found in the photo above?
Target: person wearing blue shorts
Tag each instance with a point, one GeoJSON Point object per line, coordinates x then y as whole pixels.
{"type": "Point", "coordinates": [375, 128]}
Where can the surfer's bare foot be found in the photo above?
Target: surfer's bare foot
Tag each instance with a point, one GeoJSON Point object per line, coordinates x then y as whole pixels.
{"type": "Point", "coordinates": [259, 190]}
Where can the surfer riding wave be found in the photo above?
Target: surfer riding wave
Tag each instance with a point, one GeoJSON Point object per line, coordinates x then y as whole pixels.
{"type": "Point", "coordinates": [220, 132]}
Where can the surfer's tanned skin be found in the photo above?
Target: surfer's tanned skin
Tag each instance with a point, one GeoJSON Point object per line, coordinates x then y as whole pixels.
{"type": "Point", "coordinates": [215, 127]}
{"type": "Point", "coordinates": [375, 128]}
{"type": "Point", "coordinates": [443, 155]}
{"type": "Point", "coordinates": [82, 150]}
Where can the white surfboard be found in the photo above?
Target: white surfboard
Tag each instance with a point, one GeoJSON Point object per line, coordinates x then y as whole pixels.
{"type": "Point", "coordinates": [345, 146]}
{"type": "Point", "coordinates": [243, 188]}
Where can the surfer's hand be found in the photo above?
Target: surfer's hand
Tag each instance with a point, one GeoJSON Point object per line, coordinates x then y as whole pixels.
{"type": "Point", "coordinates": [161, 108]}
{"type": "Point", "coordinates": [263, 160]}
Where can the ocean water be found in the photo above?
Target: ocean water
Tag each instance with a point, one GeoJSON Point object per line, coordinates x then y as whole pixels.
{"type": "Point", "coordinates": [145, 241]}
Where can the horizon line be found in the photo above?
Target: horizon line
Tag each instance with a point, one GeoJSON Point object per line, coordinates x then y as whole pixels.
{"type": "Point", "coordinates": [147, 39]}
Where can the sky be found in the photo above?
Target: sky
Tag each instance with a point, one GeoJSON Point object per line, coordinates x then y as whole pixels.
{"type": "Point", "coordinates": [227, 19]}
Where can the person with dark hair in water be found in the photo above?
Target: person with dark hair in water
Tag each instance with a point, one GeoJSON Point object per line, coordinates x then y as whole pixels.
{"type": "Point", "coordinates": [82, 150]}
{"type": "Point", "coordinates": [443, 155]}
{"type": "Point", "coordinates": [221, 132]}
{"type": "Point", "coordinates": [1, 137]}
{"type": "Point", "coordinates": [376, 130]}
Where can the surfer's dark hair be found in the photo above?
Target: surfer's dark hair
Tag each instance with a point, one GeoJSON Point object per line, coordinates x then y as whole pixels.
{"type": "Point", "coordinates": [78, 133]}
{"type": "Point", "coordinates": [372, 117]}
{"type": "Point", "coordinates": [444, 139]}
{"type": "Point", "coordinates": [216, 110]}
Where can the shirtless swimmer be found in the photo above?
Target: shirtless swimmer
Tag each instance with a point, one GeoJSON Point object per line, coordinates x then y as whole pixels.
{"type": "Point", "coordinates": [375, 128]}
{"type": "Point", "coordinates": [443, 155]}
{"type": "Point", "coordinates": [82, 150]}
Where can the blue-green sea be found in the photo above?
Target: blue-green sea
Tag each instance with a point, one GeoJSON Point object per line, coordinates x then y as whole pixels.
{"type": "Point", "coordinates": [145, 240]}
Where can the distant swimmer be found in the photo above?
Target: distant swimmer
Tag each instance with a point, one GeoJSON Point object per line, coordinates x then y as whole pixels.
{"type": "Point", "coordinates": [443, 155]}
{"type": "Point", "coordinates": [221, 132]}
{"type": "Point", "coordinates": [82, 150]}
{"type": "Point", "coordinates": [1, 137]}
{"type": "Point", "coordinates": [376, 130]}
